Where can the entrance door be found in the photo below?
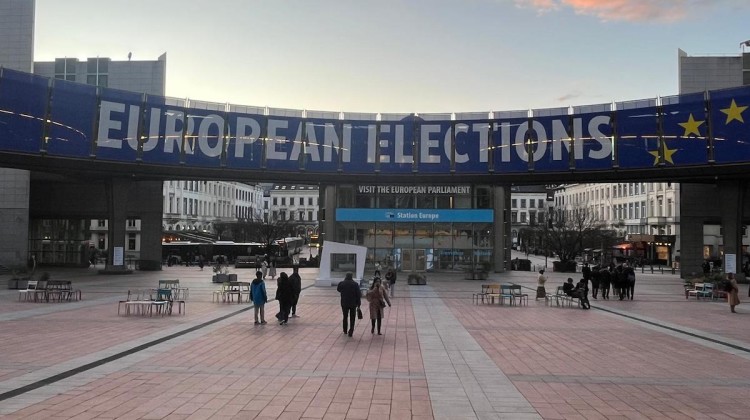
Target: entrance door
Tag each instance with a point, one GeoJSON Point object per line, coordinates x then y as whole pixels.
{"type": "Point", "coordinates": [413, 260]}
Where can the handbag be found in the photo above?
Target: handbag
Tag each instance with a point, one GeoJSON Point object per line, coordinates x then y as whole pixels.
{"type": "Point", "coordinates": [359, 314]}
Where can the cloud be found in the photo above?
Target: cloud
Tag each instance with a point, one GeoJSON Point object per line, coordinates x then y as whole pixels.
{"type": "Point", "coordinates": [568, 96]}
{"type": "Point", "coordinates": [628, 10]}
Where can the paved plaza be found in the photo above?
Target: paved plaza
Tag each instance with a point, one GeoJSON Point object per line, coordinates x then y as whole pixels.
{"type": "Point", "coordinates": [441, 356]}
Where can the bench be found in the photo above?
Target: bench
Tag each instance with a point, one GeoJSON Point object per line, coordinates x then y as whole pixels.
{"type": "Point", "coordinates": [561, 299]}
{"type": "Point", "coordinates": [701, 290]}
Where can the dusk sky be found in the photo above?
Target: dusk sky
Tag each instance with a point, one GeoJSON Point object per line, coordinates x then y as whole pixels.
{"type": "Point", "coordinates": [401, 56]}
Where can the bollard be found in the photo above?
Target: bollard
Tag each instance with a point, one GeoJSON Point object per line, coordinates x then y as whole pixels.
{"type": "Point", "coordinates": [662, 269]}
{"type": "Point", "coordinates": [642, 268]}
{"type": "Point", "coordinates": [652, 269]}
{"type": "Point", "coordinates": [672, 269]}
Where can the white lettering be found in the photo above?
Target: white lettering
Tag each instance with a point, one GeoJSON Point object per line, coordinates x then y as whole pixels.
{"type": "Point", "coordinates": [245, 137]}
{"type": "Point", "coordinates": [426, 143]}
{"type": "Point", "coordinates": [106, 123]}
{"type": "Point", "coordinates": [203, 143]}
{"type": "Point", "coordinates": [274, 139]}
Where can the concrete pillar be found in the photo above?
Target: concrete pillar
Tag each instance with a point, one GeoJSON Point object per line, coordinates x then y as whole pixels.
{"type": "Point", "coordinates": [14, 217]}
{"type": "Point", "coordinates": [501, 206]}
{"type": "Point", "coordinates": [691, 246]}
{"type": "Point", "coordinates": [149, 196]}
{"type": "Point", "coordinates": [328, 203]}
{"type": "Point", "coordinates": [117, 191]}
{"type": "Point", "coordinates": [731, 201]}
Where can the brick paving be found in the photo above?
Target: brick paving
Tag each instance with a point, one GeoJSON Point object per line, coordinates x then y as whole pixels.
{"type": "Point", "coordinates": [440, 355]}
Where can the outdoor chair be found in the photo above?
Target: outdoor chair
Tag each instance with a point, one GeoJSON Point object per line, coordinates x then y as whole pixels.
{"type": "Point", "coordinates": [29, 291]}
{"type": "Point", "coordinates": [507, 293]}
{"type": "Point", "coordinates": [518, 294]}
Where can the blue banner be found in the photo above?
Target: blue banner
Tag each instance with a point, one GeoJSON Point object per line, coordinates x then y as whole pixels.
{"type": "Point", "coordinates": [23, 103]}
{"type": "Point", "coordinates": [414, 215]}
{"type": "Point", "coordinates": [71, 119]}
{"type": "Point", "coordinates": [473, 147]}
{"type": "Point", "coordinates": [204, 138]}
{"type": "Point", "coordinates": [508, 141]}
{"type": "Point", "coordinates": [245, 144]}
{"type": "Point", "coordinates": [551, 143]}
{"type": "Point", "coordinates": [637, 137]}
{"type": "Point", "coordinates": [74, 121]}
{"type": "Point", "coordinates": [166, 128]}
{"type": "Point", "coordinates": [729, 110]}
{"type": "Point", "coordinates": [593, 142]}
{"type": "Point", "coordinates": [119, 118]}
{"type": "Point", "coordinates": [685, 130]}
{"type": "Point", "coordinates": [361, 157]}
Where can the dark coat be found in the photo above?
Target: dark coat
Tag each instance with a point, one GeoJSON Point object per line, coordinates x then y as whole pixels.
{"type": "Point", "coordinates": [296, 284]}
{"type": "Point", "coordinates": [351, 297]}
{"type": "Point", "coordinates": [284, 291]}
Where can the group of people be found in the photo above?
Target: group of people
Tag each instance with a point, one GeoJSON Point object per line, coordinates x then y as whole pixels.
{"type": "Point", "coordinates": [621, 279]}
{"type": "Point", "coordinates": [378, 297]}
{"type": "Point", "coordinates": [266, 265]}
{"type": "Point", "coordinates": [288, 289]}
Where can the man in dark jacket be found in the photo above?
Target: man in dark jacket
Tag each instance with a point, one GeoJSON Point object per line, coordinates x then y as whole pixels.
{"type": "Point", "coordinates": [296, 281]}
{"type": "Point", "coordinates": [284, 295]}
{"type": "Point", "coordinates": [351, 298]}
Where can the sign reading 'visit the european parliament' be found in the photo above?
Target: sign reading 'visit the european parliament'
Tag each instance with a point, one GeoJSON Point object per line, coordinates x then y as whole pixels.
{"type": "Point", "coordinates": [71, 120]}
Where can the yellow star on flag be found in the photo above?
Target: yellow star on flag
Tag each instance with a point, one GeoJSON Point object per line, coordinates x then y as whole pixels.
{"type": "Point", "coordinates": [667, 154]}
{"type": "Point", "coordinates": [734, 112]}
{"type": "Point", "coordinates": [691, 126]}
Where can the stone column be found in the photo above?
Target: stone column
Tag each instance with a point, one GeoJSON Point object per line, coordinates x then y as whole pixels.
{"type": "Point", "coordinates": [117, 190]}
{"type": "Point", "coordinates": [501, 206]}
{"type": "Point", "coordinates": [150, 208]}
{"type": "Point", "coordinates": [731, 200]}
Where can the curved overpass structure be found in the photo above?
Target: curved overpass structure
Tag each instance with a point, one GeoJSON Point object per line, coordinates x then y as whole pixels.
{"type": "Point", "coordinates": [54, 125]}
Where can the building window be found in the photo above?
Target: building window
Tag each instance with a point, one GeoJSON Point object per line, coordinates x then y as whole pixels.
{"type": "Point", "coordinates": [131, 241]}
{"type": "Point", "coordinates": [523, 217]}
{"type": "Point", "coordinates": [513, 203]}
{"type": "Point", "coordinates": [131, 223]}
{"type": "Point", "coordinates": [275, 201]}
{"type": "Point", "coordinates": [523, 203]}
{"type": "Point", "coordinates": [514, 217]}
{"type": "Point", "coordinates": [540, 204]}
{"type": "Point", "coordinates": [283, 201]}
{"type": "Point", "coordinates": [101, 223]}
{"type": "Point", "coordinates": [310, 215]}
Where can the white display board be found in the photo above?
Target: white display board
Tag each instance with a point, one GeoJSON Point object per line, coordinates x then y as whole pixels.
{"type": "Point", "coordinates": [730, 263]}
{"type": "Point", "coordinates": [117, 257]}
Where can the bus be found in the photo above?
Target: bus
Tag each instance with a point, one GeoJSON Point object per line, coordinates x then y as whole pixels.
{"type": "Point", "coordinates": [314, 241]}
{"type": "Point", "coordinates": [179, 252]}
{"type": "Point", "coordinates": [288, 247]}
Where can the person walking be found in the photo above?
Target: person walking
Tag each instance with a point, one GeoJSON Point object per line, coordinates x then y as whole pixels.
{"type": "Point", "coordinates": [377, 297]}
{"type": "Point", "coordinates": [541, 293]}
{"type": "Point", "coordinates": [296, 289]}
{"type": "Point", "coordinates": [351, 299]}
{"type": "Point", "coordinates": [264, 266]}
{"type": "Point", "coordinates": [630, 282]}
{"type": "Point", "coordinates": [272, 268]}
{"type": "Point", "coordinates": [200, 261]}
{"type": "Point", "coordinates": [606, 278]}
{"type": "Point", "coordinates": [596, 276]}
{"type": "Point", "coordinates": [390, 277]}
{"type": "Point", "coordinates": [733, 292]}
{"type": "Point", "coordinates": [284, 294]}
{"type": "Point", "coordinates": [259, 296]}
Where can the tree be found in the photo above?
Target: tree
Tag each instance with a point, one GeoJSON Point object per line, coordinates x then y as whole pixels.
{"type": "Point", "coordinates": [255, 230]}
{"type": "Point", "coordinates": [569, 232]}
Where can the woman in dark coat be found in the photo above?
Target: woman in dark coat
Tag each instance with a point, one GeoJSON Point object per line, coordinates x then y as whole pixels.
{"type": "Point", "coordinates": [377, 297]}
{"type": "Point", "coordinates": [285, 296]}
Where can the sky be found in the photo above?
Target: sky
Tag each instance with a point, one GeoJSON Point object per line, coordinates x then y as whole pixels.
{"type": "Point", "coordinates": [401, 56]}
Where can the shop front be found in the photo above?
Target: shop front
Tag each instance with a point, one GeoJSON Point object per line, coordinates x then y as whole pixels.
{"type": "Point", "coordinates": [418, 229]}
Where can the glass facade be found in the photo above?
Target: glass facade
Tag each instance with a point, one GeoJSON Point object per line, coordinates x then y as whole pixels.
{"type": "Point", "coordinates": [462, 242]}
